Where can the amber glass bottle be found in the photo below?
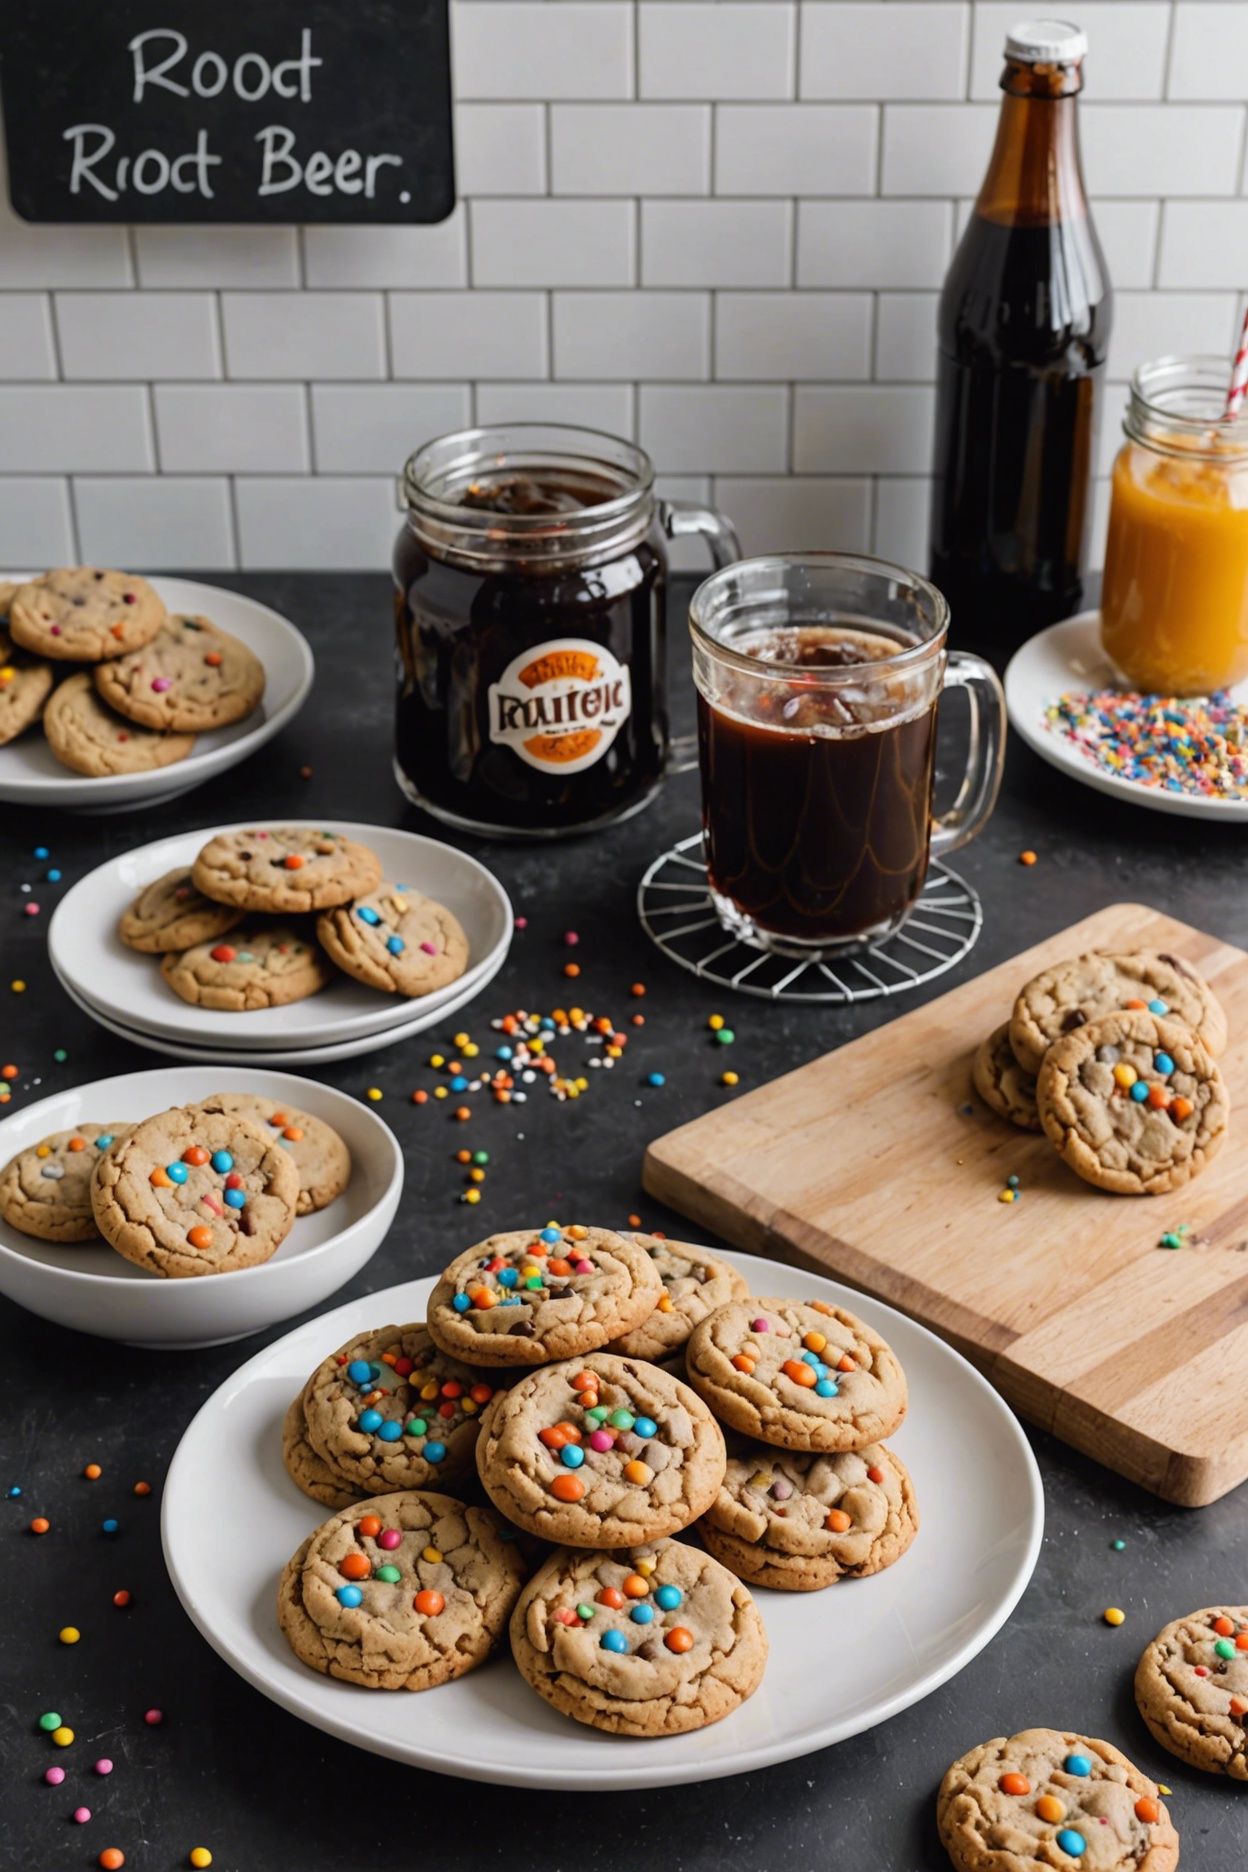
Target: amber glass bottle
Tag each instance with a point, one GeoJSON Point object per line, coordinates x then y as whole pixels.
{"type": "Point", "coordinates": [1023, 331]}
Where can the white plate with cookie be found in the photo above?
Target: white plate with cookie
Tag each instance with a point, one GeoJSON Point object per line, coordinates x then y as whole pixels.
{"type": "Point", "coordinates": [841, 1660]}
{"type": "Point", "coordinates": [89, 1287]}
{"type": "Point", "coordinates": [31, 774]}
{"type": "Point", "coordinates": [124, 985]}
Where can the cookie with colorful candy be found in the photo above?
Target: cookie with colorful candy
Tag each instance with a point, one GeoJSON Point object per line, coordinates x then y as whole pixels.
{"type": "Point", "coordinates": [1191, 1685]}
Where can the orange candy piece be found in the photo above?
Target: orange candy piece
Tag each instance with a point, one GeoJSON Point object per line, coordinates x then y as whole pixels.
{"type": "Point", "coordinates": [1014, 1783]}
{"type": "Point", "coordinates": [213, 659]}
{"type": "Point", "coordinates": [680, 1638]}
{"type": "Point", "coordinates": [1157, 1098]}
{"type": "Point", "coordinates": [1223, 1626]}
{"type": "Point", "coordinates": [429, 1602]}
{"type": "Point", "coordinates": [838, 1521]}
{"type": "Point", "coordinates": [112, 1858]}
{"type": "Point", "coordinates": [200, 1236]}
{"type": "Point", "coordinates": [1180, 1108]}
{"type": "Point", "coordinates": [567, 1488]}
{"type": "Point", "coordinates": [159, 1180]}
{"type": "Point", "coordinates": [482, 1298]}
{"type": "Point", "coordinates": [559, 1266]}
{"type": "Point", "coordinates": [1134, 1002]}
{"type": "Point", "coordinates": [40, 1524]}
{"type": "Point", "coordinates": [585, 1381]}
{"type": "Point", "coordinates": [77, 1143]}
{"type": "Point", "coordinates": [1147, 1810]}
{"type": "Point", "coordinates": [1049, 1808]}
{"type": "Point", "coordinates": [743, 1362]}
{"type": "Point", "coordinates": [1239, 1707]}
{"type": "Point", "coordinates": [611, 1596]}
{"type": "Point", "coordinates": [369, 1525]}
{"type": "Point", "coordinates": [354, 1566]}
{"type": "Point", "coordinates": [875, 1473]}
{"type": "Point", "coordinates": [552, 1436]}
{"type": "Point", "coordinates": [293, 1134]}
{"type": "Point", "coordinates": [294, 861]}
{"type": "Point", "coordinates": [801, 1373]}
{"type": "Point", "coordinates": [195, 1154]}
{"type": "Point", "coordinates": [1241, 1642]}
{"type": "Point", "coordinates": [637, 1586]}
{"type": "Point", "coordinates": [638, 1473]}
{"type": "Point", "coordinates": [814, 1341]}
{"type": "Point", "coordinates": [845, 1363]}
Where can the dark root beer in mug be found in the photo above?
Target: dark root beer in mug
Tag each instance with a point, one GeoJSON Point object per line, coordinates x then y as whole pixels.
{"type": "Point", "coordinates": [819, 678]}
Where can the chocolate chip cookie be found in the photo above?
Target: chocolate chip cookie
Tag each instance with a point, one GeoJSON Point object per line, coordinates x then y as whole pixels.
{"type": "Point", "coordinates": [1191, 1685]}
{"type": "Point", "coordinates": [531, 1296]}
{"type": "Point", "coordinates": [694, 1284]}
{"type": "Point", "coordinates": [402, 1592]}
{"type": "Point", "coordinates": [78, 614]}
{"type": "Point", "coordinates": [306, 1468]}
{"type": "Point", "coordinates": [1060, 999]}
{"type": "Point", "coordinates": [1134, 1103]}
{"type": "Point", "coordinates": [25, 685]}
{"type": "Point", "coordinates": [257, 966]}
{"type": "Point", "coordinates": [285, 868]}
{"type": "Point", "coordinates": [190, 1192]}
{"type": "Point", "coordinates": [85, 734]}
{"type": "Point", "coordinates": [191, 676]}
{"type": "Point", "coordinates": [600, 1452]}
{"type": "Point", "coordinates": [797, 1374]}
{"type": "Point", "coordinates": [1050, 1798]}
{"type": "Point", "coordinates": [396, 940]}
{"type": "Point", "coordinates": [798, 1521]}
{"type": "Point", "coordinates": [389, 1410]}
{"type": "Point", "coordinates": [45, 1190]}
{"type": "Point", "coordinates": [1005, 1087]}
{"type": "Point", "coordinates": [657, 1640]}
{"type": "Point", "coordinates": [170, 915]}
{"type": "Point", "coordinates": [319, 1154]}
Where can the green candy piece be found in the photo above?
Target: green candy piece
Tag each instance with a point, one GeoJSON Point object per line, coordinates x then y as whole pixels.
{"type": "Point", "coordinates": [416, 1426]}
{"type": "Point", "coordinates": [534, 1280]}
{"type": "Point", "coordinates": [622, 1420]}
{"type": "Point", "coordinates": [390, 1574]}
{"type": "Point", "coordinates": [725, 1036]}
{"type": "Point", "coordinates": [597, 1415]}
{"type": "Point", "coordinates": [584, 1611]}
{"type": "Point", "coordinates": [1117, 1545]}
{"type": "Point", "coordinates": [480, 1157]}
{"type": "Point", "coordinates": [50, 1722]}
{"type": "Point", "coordinates": [1224, 1648]}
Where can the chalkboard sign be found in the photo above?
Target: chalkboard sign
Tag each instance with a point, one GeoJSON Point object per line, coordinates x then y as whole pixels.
{"type": "Point", "coordinates": [227, 110]}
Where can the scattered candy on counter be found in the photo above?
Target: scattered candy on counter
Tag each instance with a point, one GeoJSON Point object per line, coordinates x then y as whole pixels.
{"type": "Point", "coordinates": [1194, 745]}
{"type": "Point", "coordinates": [1027, 858]}
{"type": "Point", "coordinates": [1012, 1192]}
{"type": "Point", "coordinates": [1176, 1237]}
{"type": "Point", "coordinates": [1117, 1545]}
{"type": "Point", "coordinates": [1113, 1615]}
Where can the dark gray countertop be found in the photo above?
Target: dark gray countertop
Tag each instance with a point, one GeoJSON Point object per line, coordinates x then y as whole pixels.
{"type": "Point", "coordinates": [229, 1770]}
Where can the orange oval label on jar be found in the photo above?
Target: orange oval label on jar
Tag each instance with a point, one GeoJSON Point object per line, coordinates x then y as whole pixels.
{"type": "Point", "coordinates": [560, 706]}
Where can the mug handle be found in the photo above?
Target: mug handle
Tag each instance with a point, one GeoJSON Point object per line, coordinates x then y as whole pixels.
{"type": "Point", "coordinates": [679, 519]}
{"type": "Point", "coordinates": [985, 754]}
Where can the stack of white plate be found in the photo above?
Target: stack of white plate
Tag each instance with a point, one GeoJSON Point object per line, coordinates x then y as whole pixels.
{"type": "Point", "coordinates": [126, 993]}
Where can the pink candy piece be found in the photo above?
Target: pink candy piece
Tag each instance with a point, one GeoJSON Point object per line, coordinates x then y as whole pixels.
{"type": "Point", "coordinates": [601, 1440]}
{"type": "Point", "coordinates": [161, 683]}
{"type": "Point", "coordinates": [759, 1325]}
{"type": "Point", "coordinates": [54, 1776]}
{"type": "Point", "coordinates": [104, 1766]}
{"type": "Point", "coordinates": [56, 630]}
{"type": "Point", "coordinates": [582, 1266]}
{"type": "Point", "coordinates": [428, 948]}
{"type": "Point", "coordinates": [152, 1717]}
{"type": "Point", "coordinates": [82, 1815]}
{"type": "Point", "coordinates": [389, 1538]}
{"type": "Point", "coordinates": [522, 922]}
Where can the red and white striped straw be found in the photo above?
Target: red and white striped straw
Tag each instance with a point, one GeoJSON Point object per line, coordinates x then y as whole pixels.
{"type": "Point", "coordinates": [1238, 386]}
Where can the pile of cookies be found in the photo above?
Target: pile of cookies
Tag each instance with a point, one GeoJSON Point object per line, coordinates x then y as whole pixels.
{"type": "Point", "coordinates": [138, 684]}
{"type": "Point", "coordinates": [568, 1390]}
{"type": "Point", "coordinates": [234, 931]}
{"type": "Point", "coordinates": [200, 1189]}
{"type": "Point", "coordinates": [1113, 1056]}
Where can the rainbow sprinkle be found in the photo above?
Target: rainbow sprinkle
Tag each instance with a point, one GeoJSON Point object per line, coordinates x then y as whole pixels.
{"type": "Point", "coordinates": [1196, 745]}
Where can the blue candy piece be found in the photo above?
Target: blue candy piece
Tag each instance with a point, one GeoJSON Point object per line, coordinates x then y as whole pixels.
{"type": "Point", "coordinates": [461, 1303]}
{"type": "Point", "coordinates": [613, 1641]}
{"type": "Point", "coordinates": [367, 915]}
{"type": "Point", "coordinates": [1139, 1091]}
{"type": "Point", "coordinates": [222, 1161]}
{"type": "Point", "coordinates": [177, 1172]}
{"type": "Point", "coordinates": [1164, 1064]}
{"type": "Point", "coordinates": [1158, 1007]}
{"type": "Point", "coordinates": [359, 1371]}
{"type": "Point", "coordinates": [642, 1614]}
{"type": "Point", "coordinates": [390, 1431]}
{"type": "Point", "coordinates": [110, 1526]}
{"type": "Point", "coordinates": [349, 1596]}
{"type": "Point", "coordinates": [395, 944]}
{"type": "Point", "coordinates": [509, 1277]}
{"type": "Point", "coordinates": [434, 1452]}
{"type": "Point", "coordinates": [459, 1083]}
{"type": "Point", "coordinates": [824, 1387]}
{"type": "Point", "coordinates": [571, 1455]}
{"type": "Point", "coordinates": [41, 851]}
{"type": "Point", "coordinates": [1077, 1765]}
{"type": "Point", "coordinates": [656, 1079]}
{"type": "Point", "coordinates": [14, 1491]}
{"type": "Point", "coordinates": [810, 1358]}
{"type": "Point", "coordinates": [54, 877]}
{"type": "Point", "coordinates": [669, 1597]}
{"type": "Point", "coordinates": [371, 1420]}
{"type": "Point", "coordinates": [645, 1427]}
{"type": "Point", "coordinates": [236, 1199]}
{"type": "Point", "coordinates": [550, 1235]}
{"type": "Point", "coordinates": [1072, 1842]}
{"type": "Point", "coordinates": [104, 1140]}
{"type": "Point", "coordinates": [547, 1023]}
{"type": "Point", "coordinates": [503, 1053]}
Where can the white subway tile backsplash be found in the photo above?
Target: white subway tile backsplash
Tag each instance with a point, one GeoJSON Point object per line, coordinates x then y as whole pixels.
{"type": "Point", "coordinates": [715, 243]}
{"type": "Point", "coordinates": [133, 335]}
{"type": "Point", "coordinates": [217, 256]}
{"type": "Point", "coordinates": [634, 335]}
{"type": "Point", "coordinates": [320, 523]}
{"type": "Point", "coordinates": [61, 428]}
{"type": "Point", "coordinates": [1157, 324]}
{"type": "Point", "coordinates": [936, 149]}
{"type": "Point", "coordinates": [477, 334]}
{"type": "Point", "coordinates": [690, 50]}
{"type": "Point", "coordinates": [553, 243]}
{"type": "Point", "coordinates": [902, 506]}
{"type": "Point", "coordinates": [1209, 57]}
{"type": "Point", "coordinates": [1162, 149]}
{"type": "Point", "coordinates": [795, 149]}
{"type": "Point", "coordinates": [1128, 231]}
{"type": "Point", "coordinates": [373, 428]}
{"type": "Point", "coordinates": [873, 243]}
{"type": "Point", "coordinates": [434, 255]}
{"type": "Point", "coordinates": [165, 523]}
{"type": "Point", "coordinates": [525, 49]}
{"type": "Point", "coordinates": [872, 429]}
{"type": "Point", "coordinates": [797, 513]}
{"type": "Point", "coordinates": [604, 406]}
{"type": "Point", "coordinates": [1203, 243]}
{"type": "Point", "coordinates": [303, 334]}
{"type": "Point", "coordinates": [715, 428]}
{"type": "Point", "coordinates": [906, 50]}
{"type": "Point", "coordinates": [36, 525]}
{"type": "Point", "coordinates": [500, 149]}
{"type": "Point", "coordinates": [630, 149]}
{"type": "Point", "coordinates": [44, 257]}
{"type": "Point", "coordinates": [231, 428]}
{"type": "Point", "coordinates": [1126, 46]}
{"type": "Point", "coordinates": [26, 349]}
{"type": "Point", "coordinates": [782, 336]}
{"type": "Point", "coordinates": [905, 338]}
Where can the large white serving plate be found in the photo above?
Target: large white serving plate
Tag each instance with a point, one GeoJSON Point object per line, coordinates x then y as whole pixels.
{"type": "Point", "coordinates": [89, 1287]}
{"type": "Point", "coordinates": [31, 775]}
{"type": "Point", "coordinates": [116, 982]}
{"type": "Point", "coordinates": [841, 1660]}
{"type": "Point", "coordinates": [1069, 656]}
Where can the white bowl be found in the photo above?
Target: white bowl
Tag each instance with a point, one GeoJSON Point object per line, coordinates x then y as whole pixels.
{"type": "Point", "coordinates": [122, 985]}
{"type": "Point", "coordinates": [31, 775]}
{"type": "Point", "coordinates": [87, 1286]}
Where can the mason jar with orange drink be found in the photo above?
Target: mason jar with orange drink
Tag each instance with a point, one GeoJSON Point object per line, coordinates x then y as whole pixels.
{"type": "Point", "coordinates": [1174, 603]}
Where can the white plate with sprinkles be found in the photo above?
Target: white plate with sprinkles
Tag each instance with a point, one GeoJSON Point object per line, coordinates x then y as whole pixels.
{"type": "Point", "coordinates": [840, 1661]}
{"type": "Point", "coordinates": [1186, 755]}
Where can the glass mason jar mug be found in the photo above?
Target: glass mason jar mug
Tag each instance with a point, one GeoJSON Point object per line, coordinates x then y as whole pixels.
{"type": "Point", "coordinates": [530, 608]}
{"type": "Point", "coordinates": [819, 676]}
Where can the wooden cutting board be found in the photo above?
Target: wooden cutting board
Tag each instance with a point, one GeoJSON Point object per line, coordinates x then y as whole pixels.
{"type": "Point", "coordinates": [879, 1165]}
